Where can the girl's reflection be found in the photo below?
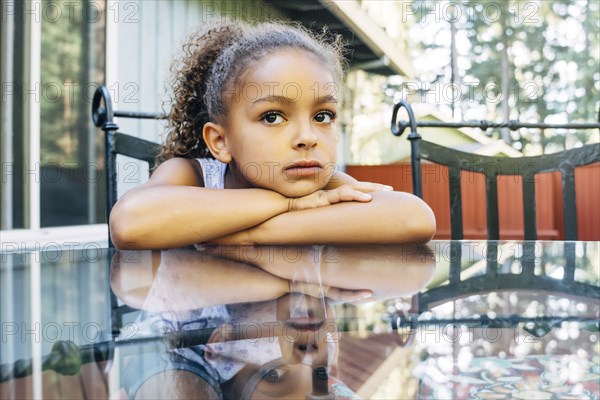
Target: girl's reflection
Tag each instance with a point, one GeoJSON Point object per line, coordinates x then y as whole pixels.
{"type": "Point", "coordinates": [296, 338]}
{"type": "Point", "coordinates": [273, 332]}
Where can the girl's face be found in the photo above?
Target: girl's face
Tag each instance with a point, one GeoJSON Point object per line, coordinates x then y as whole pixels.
{"type": "Point", "coordinates": [306, 338]}
{"type": "Point", "coordinates": [281, 131]}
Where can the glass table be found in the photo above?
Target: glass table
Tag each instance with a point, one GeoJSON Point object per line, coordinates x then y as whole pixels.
{"type": "Point", "coordinates": [448, 320]}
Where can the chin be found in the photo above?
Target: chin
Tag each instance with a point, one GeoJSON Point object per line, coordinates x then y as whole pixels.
{"type": "Point", "coordinates": [299, 190]}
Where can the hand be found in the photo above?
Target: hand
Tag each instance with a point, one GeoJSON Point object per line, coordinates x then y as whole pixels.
{"type": "Point", "coordinates": [357, 191]}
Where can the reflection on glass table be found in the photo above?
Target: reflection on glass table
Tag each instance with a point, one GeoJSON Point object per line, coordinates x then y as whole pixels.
{"type": "Point", "coordinates": [447, 320]}
{"type": "Point", "coordinates": [498, 320]}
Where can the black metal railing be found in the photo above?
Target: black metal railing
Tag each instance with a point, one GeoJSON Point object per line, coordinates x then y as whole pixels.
{"type": "Point", "coordinates": [492, 167]}
{"type": "Point", "coordinates": [119, 143]}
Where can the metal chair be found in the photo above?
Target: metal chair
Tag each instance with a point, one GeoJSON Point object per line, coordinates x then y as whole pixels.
{"type": "Point", "coordinates": [120, 143]}
{"type": "Point", "coordinates": [492, 167]}
{"type": "Point", "coordinates": [496, 277]}
{"type": "Point", "coordinates": [127, 145]}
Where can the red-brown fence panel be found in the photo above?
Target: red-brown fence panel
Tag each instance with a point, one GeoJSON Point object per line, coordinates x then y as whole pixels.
{"type": "Point", "coordinates": [549, 212]}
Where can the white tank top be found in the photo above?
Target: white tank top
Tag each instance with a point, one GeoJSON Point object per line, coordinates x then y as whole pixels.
{"type": "Point", "coordinates": [213, 172]}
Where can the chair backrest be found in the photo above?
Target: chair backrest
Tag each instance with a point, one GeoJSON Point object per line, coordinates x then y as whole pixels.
{"type": "Point", "coordinates": [120, 143]}
{"type": "Point", "coordinates": [492, 167]}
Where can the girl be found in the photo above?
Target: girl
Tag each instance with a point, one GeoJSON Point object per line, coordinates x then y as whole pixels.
{"type": "Point", "coordinates": [251, 150]}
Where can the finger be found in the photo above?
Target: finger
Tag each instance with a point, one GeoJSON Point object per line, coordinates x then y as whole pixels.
{"type": "Point", "coordinates": [370, 186]}
{"type": "Point", "coordinates": [311, 289]}
{"type": "Point", "coordinates": [345, 193]}
{"type": "Point", "coordinates": [348, 295]}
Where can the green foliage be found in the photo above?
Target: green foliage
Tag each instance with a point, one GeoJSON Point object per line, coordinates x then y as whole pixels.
{"type": "Point", "coordinates": [549, 52]}
{"type": "Point", "coordinates": [62, 49]}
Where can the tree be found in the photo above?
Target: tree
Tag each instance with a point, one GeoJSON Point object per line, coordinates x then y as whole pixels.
{"type": "Point", "coordinates": [532, 61]}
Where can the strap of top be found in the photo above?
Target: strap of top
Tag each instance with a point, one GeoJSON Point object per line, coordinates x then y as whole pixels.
{"type": "Point", "coordinates": [213, 172]}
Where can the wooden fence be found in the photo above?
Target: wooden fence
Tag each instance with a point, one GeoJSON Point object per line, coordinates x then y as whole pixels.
{"type": "Point", "coordinates": [548, 191]}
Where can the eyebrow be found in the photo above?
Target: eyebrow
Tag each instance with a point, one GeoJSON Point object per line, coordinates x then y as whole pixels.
{"type": "Point", "coordinates": [288, 100]}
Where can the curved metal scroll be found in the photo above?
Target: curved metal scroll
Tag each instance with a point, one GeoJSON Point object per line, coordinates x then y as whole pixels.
{"type": "Point", "coordinates": [414, 137]}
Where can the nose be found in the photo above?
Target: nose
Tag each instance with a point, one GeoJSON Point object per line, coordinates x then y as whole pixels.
{"type": "Point", "coordinates": [306, 138]}
{"type": "Point", "coordinates": [306, 351]}
{"type": "Point", "coordinates": [309, 347]}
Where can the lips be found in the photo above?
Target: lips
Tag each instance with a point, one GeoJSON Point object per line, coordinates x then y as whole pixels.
{"type": "Point", "coordinates": [303, 168]}
{"type": "Point", "coordinates": [305, 324]}
{"type": "Point", "coordinates": [304, 164]}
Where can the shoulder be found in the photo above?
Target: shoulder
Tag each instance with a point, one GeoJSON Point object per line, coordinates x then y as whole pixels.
{"type": "Point", "coordinates": [178, 171]}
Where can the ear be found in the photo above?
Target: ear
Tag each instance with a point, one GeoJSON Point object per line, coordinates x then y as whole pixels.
{"type": "Point", "coordinates": [214, 137]}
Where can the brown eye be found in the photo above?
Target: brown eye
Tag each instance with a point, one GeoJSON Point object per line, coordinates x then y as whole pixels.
{"type": "Point", "coordinates": [325, 117]}
{"type": "Point", "coordinates": [272, 118]}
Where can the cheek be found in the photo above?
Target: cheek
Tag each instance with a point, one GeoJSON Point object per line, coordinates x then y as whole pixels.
{"type": "Point", "coordinates": [247, 151]}
{"type": "Point", "coordinates": [286, 346]}
{"type": "Point", "coordinates": [331, 145]}
{"type": "Point", "coordinates": [330, 139]}
{"type": "Point", "coordinates": [252, 171]}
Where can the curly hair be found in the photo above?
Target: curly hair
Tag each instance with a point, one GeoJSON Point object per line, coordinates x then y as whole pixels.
{"type": "Point", "coordinates": [212, 63]}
